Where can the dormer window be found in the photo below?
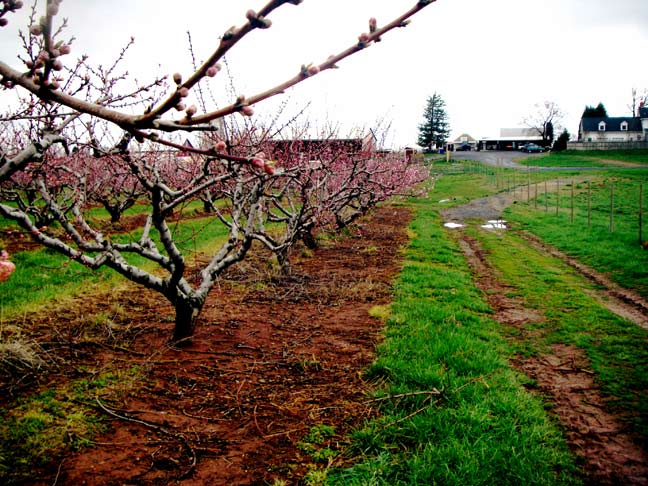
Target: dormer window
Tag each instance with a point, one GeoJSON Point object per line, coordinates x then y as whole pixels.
{"type": "Point", "coordinates": [602, 126]}
{"type": "Point", "coordinates": [624, 126]}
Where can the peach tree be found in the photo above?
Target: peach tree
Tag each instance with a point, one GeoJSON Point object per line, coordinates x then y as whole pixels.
{"type": "Point", "coordinates": [82, 135]}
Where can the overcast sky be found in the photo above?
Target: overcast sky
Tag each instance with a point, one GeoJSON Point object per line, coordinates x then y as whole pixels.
{"type": "Point", "coordinates": [491, 61]}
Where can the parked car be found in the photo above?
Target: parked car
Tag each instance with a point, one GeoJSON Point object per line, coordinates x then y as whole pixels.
{"type": "Point", "coordinates": [532, 147]}
{"type": "Point", "coordinates": [464, 147]}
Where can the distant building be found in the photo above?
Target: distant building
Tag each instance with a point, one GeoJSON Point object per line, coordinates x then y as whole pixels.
{"type": "Point", "coordinates": [348, 146]}
{"type": "Point", "coordinates": [511, 139]}
{"type": "Point", "coordinates": [464, 142]}
{"type": "Point", "coordinates": [615, 129]}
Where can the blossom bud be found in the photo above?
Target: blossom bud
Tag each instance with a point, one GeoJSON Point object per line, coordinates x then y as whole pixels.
{"type": "Point", "coordinates": [177, 78]}
{"type": "Point", "coordinates": [269, 169]}
{"type": "Point", "coordinates": [180, 107]}
{"type": "Point", "coordinates": [211, 71]}
{"type": "Point", "coordinates": [251, 14]}
{"type": "Point", "coordinates": [35, 29]}
{"type": "Point", "coordinates": [373, 24]}
{"type": "Point", "coordinates": [3, 22]}
{"type": "Point", "coordinates": [364, 38]}
{"type": "Point", "coordinates": [18, 4]}
{"type": "Point", "coordinates": [57, 65]}
{"type": "Point", "coordinates": [184, 92]}
{"type": "Point", "coordinates": [313, 70]}
{"type": "Point", "coordinates": [247, 111]}
{"type": "Point", "coordinates": [65, 49]}
{"type": "Point", "coordinates": [230, 33]}
{"type": "Point", "coordinates": [257, 163]}
{"type": "Point", "coordinates": [220, 146]}
{"type": "Point", "coordinates": [191, 111]}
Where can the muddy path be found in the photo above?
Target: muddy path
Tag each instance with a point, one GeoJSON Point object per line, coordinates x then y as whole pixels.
{"type": "Point", "coordinates": [610, 455]}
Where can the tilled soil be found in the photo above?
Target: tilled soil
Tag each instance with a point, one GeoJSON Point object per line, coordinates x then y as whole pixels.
{"type": "Point", "coordinates": [272, 358]}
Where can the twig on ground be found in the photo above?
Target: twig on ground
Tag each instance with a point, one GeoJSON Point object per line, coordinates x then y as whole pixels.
{"type": "Point", "coordinates": [434, 391]}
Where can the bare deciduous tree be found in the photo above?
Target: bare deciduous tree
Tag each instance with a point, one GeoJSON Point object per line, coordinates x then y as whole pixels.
{"type": "Point", "coordinates": [545, 120]}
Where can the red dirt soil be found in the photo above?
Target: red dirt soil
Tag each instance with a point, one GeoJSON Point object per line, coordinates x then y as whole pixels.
{"type": "Point", "coordinates": [272, 357]}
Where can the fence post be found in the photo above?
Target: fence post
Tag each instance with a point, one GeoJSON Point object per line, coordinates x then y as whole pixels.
{"type": "Point", "coordinates": [589, 204]}
{"type": "Point", "coordinates": [557, 196]}
{"type": "Point", "coordinates": [612, 207]}
{"type": "Point", "coordinates": [535, 187]}
{"type": "Point", "coordinates": [641, 213]}
{"type": "Point", "coordinates": [571, 214]}
{"type": "Point", "coordinates": [546, 197]}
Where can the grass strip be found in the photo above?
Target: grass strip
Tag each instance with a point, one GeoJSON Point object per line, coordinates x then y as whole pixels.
{"type": "Point", "coordinates": [483, 428]}
{"type": "Point", "coordinates": [616, 348]}
{"type": "Point", "coordinates": [589, 232]}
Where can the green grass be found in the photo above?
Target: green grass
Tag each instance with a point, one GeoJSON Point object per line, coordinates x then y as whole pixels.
{"type": "Point", "coordinates": [616, 348]}
{"type": "Point", "coordinates": [617, 253]}
{"type": "Point", "coordinates": [39, 431]}
{"type": "Point", "coordinates": [592, 158]}
{"type": "Point", "coordinates": [483, 428]}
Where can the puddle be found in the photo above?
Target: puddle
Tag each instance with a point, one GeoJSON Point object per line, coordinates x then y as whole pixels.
{"type": "Point", "coordinates": [495, 224]}
{"type": "Point", "coordinates": [453, 225]}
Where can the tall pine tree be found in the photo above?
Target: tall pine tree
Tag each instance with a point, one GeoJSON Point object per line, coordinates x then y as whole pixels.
{"type": "Point", "coordinates": [434, 130]}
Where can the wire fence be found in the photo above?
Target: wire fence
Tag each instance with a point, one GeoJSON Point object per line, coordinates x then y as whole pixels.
{"type": "Point", "coordinates": [619, 204]}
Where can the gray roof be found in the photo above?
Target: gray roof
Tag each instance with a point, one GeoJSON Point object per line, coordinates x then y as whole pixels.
{"type": "Point", "coordinates": [612, 124]}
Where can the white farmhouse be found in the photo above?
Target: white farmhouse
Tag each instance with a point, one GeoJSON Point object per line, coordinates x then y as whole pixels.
{"type": "Point", "coordinates": [615, 129]}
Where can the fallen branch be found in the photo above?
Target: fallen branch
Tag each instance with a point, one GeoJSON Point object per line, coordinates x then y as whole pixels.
{"type": "Point", "coordinates": [157, 428]}
{"type": "Point", "coordinates": [432, 392]}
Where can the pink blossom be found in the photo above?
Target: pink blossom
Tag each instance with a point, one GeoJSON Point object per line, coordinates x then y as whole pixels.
{"type": "Point", "coordinates": [220, 146]}
{"type": "Point", "coordinates": [257, 162]}
{"type": "Point", "coordinates": [269, 169]}
{"type": "Point", "coordinates": [6, 267]}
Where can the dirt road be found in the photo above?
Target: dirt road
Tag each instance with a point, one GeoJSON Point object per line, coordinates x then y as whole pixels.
{"type": "Point", "coordinates": [610, 454]}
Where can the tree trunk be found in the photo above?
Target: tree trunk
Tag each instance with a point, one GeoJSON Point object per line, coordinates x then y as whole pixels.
{"type": "Point", "coordinates": [284, 261]}
{"type": "Point", "coordinates": [308, 239]}
{"type": "Point", "coordinates": [187, 310]}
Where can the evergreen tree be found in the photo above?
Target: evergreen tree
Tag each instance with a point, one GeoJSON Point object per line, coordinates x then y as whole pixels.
{"type": "Point", "coordinates": [561, 141]}
{"type": "Point", "coordinates": [435, 128]}
{"type": "Point", "coordinates": [598, 112]}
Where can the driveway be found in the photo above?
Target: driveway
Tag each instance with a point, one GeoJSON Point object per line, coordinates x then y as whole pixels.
{"type": "Point", "coordinates": [505, 158]}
